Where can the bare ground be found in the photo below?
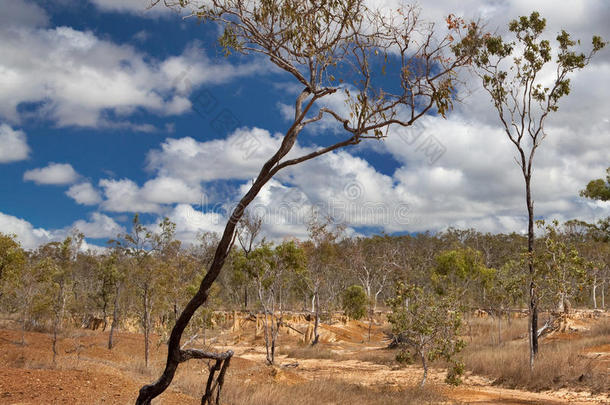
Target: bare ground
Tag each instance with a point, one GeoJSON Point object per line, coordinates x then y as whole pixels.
{"type": "Point", "coordinates": [87, 372]}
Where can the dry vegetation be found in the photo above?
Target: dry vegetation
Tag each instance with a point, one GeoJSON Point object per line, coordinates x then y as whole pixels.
{"type": "Point", "coordinates": [565, 361]}
{"type": "Point", "coordinates": [330, 392]}
{"type": "Point", "coordinates": [332, 372]}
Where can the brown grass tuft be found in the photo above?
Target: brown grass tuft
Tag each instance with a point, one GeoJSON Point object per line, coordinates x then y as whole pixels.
{"type": "Point", "coordinates": [563, 362]}
{"type": "Point", "coordinates": [327, 392]}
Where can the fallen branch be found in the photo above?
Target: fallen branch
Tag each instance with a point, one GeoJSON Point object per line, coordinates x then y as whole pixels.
{"type": "Point", "coordinates": [191, 339]}
{"type": "Point", "coordinates": [291, 327]}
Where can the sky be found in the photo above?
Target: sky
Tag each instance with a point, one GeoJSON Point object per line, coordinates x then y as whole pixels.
{"type": "Point", "coordinates": [108, 109]}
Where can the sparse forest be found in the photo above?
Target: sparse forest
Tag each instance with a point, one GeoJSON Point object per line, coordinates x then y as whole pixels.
{"type": "Point", "coordinates": [344, 314]}
{"type": "Point", "coordinates": [146, 277]}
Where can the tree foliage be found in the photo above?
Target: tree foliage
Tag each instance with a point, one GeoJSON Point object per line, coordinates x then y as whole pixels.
{"type": "Point", "coordinates": [354, 302]}
{"type": "Point", "coordinates": [427, 326]}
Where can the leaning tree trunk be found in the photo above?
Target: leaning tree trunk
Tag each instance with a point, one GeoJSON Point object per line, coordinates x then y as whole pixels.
{"type": "Point", "coordinates": [174, 354]}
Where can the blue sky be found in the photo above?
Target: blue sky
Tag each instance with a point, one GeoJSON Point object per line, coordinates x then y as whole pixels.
{"type": "Point", "coordinates": [107, 109]}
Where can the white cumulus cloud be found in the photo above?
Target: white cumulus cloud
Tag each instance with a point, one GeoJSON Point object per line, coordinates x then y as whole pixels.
{"type": "Point", "coordinates": [99, 226]}
{"type": "Point", "coordinates": [13, 145]}
{"type": "Point", "coordinates": [84, 193]}
{"type": "Point", "coordinates": [53, 174]}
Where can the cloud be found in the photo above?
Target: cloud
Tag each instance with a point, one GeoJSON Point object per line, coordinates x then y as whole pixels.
{"type": "Point", "coordinates": [153, 197]}
{"type": "Point", "coordinates": [141, 8]}
{"type": "Point", "coordinates": [84, 193]}
{"type": "Point", "coordinates": [13, 145]}
{"type": "Point", "coordinates": [191, 222]}
{"type": "Point", "coordinates": [99, 226]}
{"type": "Point", "coordinates": [29, 236]}
{"type": "Point", "coordinates": [239, 156]}
{"type": "Point", "coordinates": [53, 174]}
{"type": "Point", "coordinates": [22, 13]}
{"type": "Point", "coordinates": [168, 190]}
{"type": "Point", "coordinates": [124, 196]}
{"type": "Point", "coordinates": [75, 78]}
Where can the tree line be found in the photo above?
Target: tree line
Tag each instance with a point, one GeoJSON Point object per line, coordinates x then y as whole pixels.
{"type": "Point", "coordinates": [148, 275]}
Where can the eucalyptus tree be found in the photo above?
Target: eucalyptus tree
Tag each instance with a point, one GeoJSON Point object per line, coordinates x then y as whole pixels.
{"type": "Point", "coordinates": [113, 272]}
{"type": "Point", "coordinates": [12, 256]}
{"type": "Point", "coordinates": [354, 301]}
{"type": "Point", "coordinates": [58, 258]}
{"type": "Point", "coordinates": [145, 247]}
{"type": "Point", "coordinates": [505, 291]}
{"type": "Point", "coordinates": [462, 272]}
{"type": "Point", "coordinates": [248, 232]}
{"type": "Point", "coordinates": [322, 45]}
{"type": "Point", "coordinates": [598, 189]}
{"type": "Point", "coordinates": [323, 255]}
{"type": "Point", "coordinates": [563, 270]}
{"type": "Point", "coordinates": [373, 262]}
{"type": "Point", "coordinates": [427, 326]}
{"type": "Point", "coordinates": [21, 281]}
{"type": "Point", "coordinates": [513, 74]}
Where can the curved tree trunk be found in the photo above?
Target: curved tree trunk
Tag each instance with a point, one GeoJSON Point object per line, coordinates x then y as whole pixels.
{"type": "Point", "coordinates": [272, 166]}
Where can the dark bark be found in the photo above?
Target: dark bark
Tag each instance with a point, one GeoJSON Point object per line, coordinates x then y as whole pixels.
{"type": "Point", "coordinates": [269, 169]}
{"type": "Point", "coordinates": [215, 386]}
{"type": "Point", "coordinates": [246, 296]}
{"type": "Point", "coordinates": [105, 315]}
{"type": "Point", "coordinates": [533, 300]}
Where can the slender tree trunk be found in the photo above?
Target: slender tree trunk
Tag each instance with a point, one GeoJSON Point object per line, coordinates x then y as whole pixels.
{"type": "Point", "coordinates": [316, 336]}
{"type": "Point", "coordinates": [561, 305]}
{"type": "Point", "coordinates": [146, 324]}
{"type": "Point", "coordinates": [115, 317]}
{"type": "Point", "coordinates": [266, 332]}
{"type": "Point", "coordinates": [533, 300]}
{"type": "Point", "coordinates": [499, 328]}
{"type": "Point", "coordinates": [246, 296]}
{"type": "Point", "coordinates": [594, 293]}
{"type": "Point", "coordinates": [424, 364]}
{"type": "Point", "coordinates": [55, 326]}
{"type": "Point", "coordinates": [603, 295]}
{"type": "Point", "coordinates": [105, 315]}
{"type": "Point", "coordinates": [23, 322]}
{"type": "Point", "coordinates": [371, 312]}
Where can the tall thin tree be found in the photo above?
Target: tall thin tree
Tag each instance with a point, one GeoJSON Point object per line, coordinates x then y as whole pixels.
{"type": "Point", "coordinates": [512, 74]}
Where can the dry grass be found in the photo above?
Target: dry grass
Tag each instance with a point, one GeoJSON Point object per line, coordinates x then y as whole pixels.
{"type": "Point", "coordinates": [310, 352]}
{"type": "Point", "coordinates": [327, 392]}
{"type": "Point", "coordinates": [484, 331]}
{"type": "Point", "coordinates": [384, 356]}
{"type": "Point", "coordinates": [560, 363]}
